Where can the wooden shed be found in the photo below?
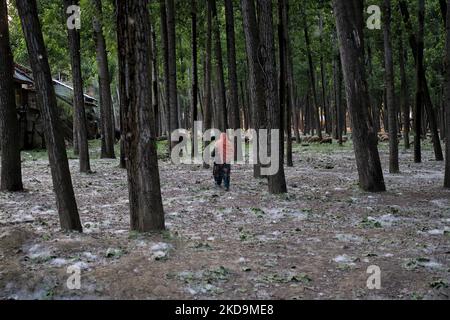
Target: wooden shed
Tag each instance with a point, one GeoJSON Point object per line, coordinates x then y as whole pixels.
{"type": "Point", "coordinates": [30, 122]}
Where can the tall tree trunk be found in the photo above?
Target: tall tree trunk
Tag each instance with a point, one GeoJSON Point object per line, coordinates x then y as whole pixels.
{"type": "Point", "coordinates": [122, 77]}
{"type": "Point", "coordinates": [106, 109]}
{"type": "Point", "coordinates": [426, 99]}
{"type": "Point", "coordinates": [312, 78]}
{"type": "Point", "coordinates": [172, 69]}
{"type": "Point", "coordinates": [46, 100]}
{"type": "Point", "coordinates": [290, 106]}
{"type": "Point", "coordinates": [76, 149]}
{"type": "Point", "coordinates": [349, 22]}
{"type": "Point", "coordinates": [155, 73]}
{"type": "Point", "coordinates": [221, 114]}
{"type": "Point", "coordinates": [285, 84]}
{"type": "Point", "coordinates": [390, 90]}
{"type": "Point", "coordinates": [373, 92]}
{"type": "Point", "coordinates": [207, 109]}
{"type": "Point", "coordinates": [282, 84]}
{"type": "Point", "coordinates": [233, 104]}
{"type": "Point", "coordinates": [11, 168]}
{"type": "Point", "coordinates": [337, 70]}
{"type": "Point", "coordinates": [78, 95]}
{"type": "Point", "coordinates": [447, 97]}
{"type": "Point", "coordinates": [308, 113]}
{"type": "Point", "coordinates": [419, 87]}
{"type": "Point", "coordinates": [207, 99]}
{"type": "Point", "coordinates": [244, 103]}
{"type": "Point", "coordinates": [181, 75]}
{"type": "Point", "coordinates": [276, 182]}
{"type": "Point", "coordinates": [404, 99]}
{"type": "Point", "coordinates": [385, 112]}
{"type": "Point", "coordinates": [165, 46]}
{"type": "Point", "coordinates": [255, 74]}
{"type": "Point", "coordinates": [296, 118]}
{"type": "Point", "coordinates": [444, 7]}
{"type": "Point", "coordinates": [194, 89]}
{"type": "Point", "coordinates": [146, 208]}
{"type": "Point", "coordinates": [326, 107]}
{"type": "Point", "coordinates": [441, 112]}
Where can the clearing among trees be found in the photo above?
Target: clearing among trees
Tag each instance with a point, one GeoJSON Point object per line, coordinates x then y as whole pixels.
{"type": "Point", "coordinates": [316, 242]}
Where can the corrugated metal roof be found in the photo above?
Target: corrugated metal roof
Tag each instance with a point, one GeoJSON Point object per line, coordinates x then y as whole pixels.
{"type": "Point", "coordinates": [62, 90]}
{"type": "Point", "coordinates": [66, 91]}
{"type": "Point", "coordinates": [21, 77]}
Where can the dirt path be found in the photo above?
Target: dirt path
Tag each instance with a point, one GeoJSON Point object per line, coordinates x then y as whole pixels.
{"type": "Point", "coordinates": [314, 243]}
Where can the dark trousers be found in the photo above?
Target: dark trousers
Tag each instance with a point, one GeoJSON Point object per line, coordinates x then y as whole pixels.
{"type": "Point", "coordinates": [221, 173]}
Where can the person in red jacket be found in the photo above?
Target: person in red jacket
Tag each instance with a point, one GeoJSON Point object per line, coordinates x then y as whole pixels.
{"type": "Point", "coordinates": [223, 156]}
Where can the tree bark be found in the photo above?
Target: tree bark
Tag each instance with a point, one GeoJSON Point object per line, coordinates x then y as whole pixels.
{"type": "Point", "coordinates": [121, 53]}
{"type": "Point", "coordinates": [337, 70]}
{"type": "Point", "coordinates": [282, 84]}
{"type": "Point", "coordinates": [146, 208]}
{"type": "Point", "coordinates": [426, 99]}
{"type": "Point", "coordinates": [76, 150]}
{"type": "Point", "coordinates": [172, 69]}
{"type": "Point", "coordinates": [255, 74]}
{"type": "Point", "coordinates": [155, 89]}
{"type": "Point", "coordinates": [419, 88]}
{"type": "Point", "coordinates": [244, 104]}
{"type": "Point", "coordinates": [312, 78]}
{"type": "Point", "coordinates": [207, 97]}
{"type": "Point", "coordinates": [276, 182]}
{"type": "Point", "coordinates": [207, 104]}
{"type": "Point", "coordinates": [194, 88]}
{"type": "Point", "coordinates": [106, 110]}
{"type": "Point", "coordinates": [308, 116]}
{"type": "Point", "coordinates": [78, 95]}
{"type": "Point", "coordinates": [374, 92]}
{"type": "Point", "coordinates": [444, 7]}
{"type": "Point", "coordinates": [165, 47]}
{"type": "Point", "coordinates": [404, 99]}
{"type": "Point", "coordinates": [326, 107]}
{"type": "Point", "coordinates": [46, 100]}
{"type": "Point", "coordinates": [390, 90]}
{"type": "Point", "coordinates": [11, 168]}
{"type": "Point", "coordinates": [286, 75]}
{"type": "Point", "coordinates": [447, 97]}
{"type": "Point", "coordinates": [233, 104]}
{"type": "Point", "coordinates": [221, 110]}
{"type": "Point", "coordinates": [349, 22]}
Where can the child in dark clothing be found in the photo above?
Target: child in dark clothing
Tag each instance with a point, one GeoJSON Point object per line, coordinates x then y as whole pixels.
{"type": "Point", "coordinates": [221, 173]}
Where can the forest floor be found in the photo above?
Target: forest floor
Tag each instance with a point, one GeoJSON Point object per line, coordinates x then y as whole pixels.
{"type": "Point", "coordinates": [314, 243]}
